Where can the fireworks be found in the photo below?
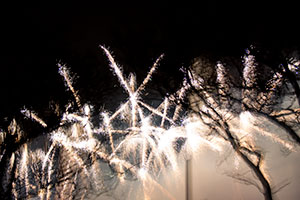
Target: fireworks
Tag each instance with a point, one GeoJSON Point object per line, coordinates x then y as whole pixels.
{"type": "Point", "coordinates": [135, 142]}
{"type": "Point", "coordinates": [139, 148]}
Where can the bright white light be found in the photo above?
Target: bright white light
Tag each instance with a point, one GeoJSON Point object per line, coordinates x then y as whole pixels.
{"type": "Point", "coordinates": [245, 119]}
{"type": "Point", "coordinates": [142, 173]}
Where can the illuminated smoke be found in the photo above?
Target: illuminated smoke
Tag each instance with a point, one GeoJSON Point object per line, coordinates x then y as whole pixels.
{"type": "Point", "coordinates": [141, 140]}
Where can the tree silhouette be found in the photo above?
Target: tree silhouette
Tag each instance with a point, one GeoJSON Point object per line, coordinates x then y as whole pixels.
{"type": "Point", "coordinates": [216, 104]}
{"type": "Point", "coordinates": [222, 93]}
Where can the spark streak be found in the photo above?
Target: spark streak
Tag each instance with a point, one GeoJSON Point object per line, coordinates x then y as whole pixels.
{"type": "Point", "coordinates": [63, 71]}
{"type": "Point", "coordinates": [33, 116]}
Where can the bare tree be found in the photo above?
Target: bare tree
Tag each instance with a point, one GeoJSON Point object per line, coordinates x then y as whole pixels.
{"type": "Point", "coordinates": [221, 93]}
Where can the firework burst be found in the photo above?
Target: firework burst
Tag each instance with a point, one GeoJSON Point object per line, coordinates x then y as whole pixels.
{"type": "Point", "coordinates": [136, 142]}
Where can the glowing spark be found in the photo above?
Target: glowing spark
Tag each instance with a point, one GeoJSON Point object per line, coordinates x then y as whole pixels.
{"type": "Point", "coordinates": [221, 73]}
{"type": "Point", "coordinates": [249, 72]}
{"type": "Point", "coordinates": [133, 100]}
{"type": "Point", "coordinates": [153, 110]}
{"type": "Point", "coordinates": [117, 70]}
{"type": "Point", "coordinates": [180, 94]}
{"type": "Point", "coordinates": [63, 71]}
{"type": "Point", "coordinates": [119, 111]}
{"type": "Point", "coordinates": [148, 77]}
{"type": "Point", "coordinates": [166, 106]}
{"type": "Point", "coordinates": [33, 116]}
{"type": "Point", "coordinates": [47, 157]}
{"type": "Point", "coordinates": [23, 170]}
{"type": "Point", "coordinates": [108, 128]}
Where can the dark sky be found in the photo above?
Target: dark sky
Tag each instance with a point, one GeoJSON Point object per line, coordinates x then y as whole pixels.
{"type": "Point", "coordinates": [37, 36]}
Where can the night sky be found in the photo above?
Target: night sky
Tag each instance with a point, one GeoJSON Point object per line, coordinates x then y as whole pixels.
{"type": "Point", "coordinates": [35, 37]}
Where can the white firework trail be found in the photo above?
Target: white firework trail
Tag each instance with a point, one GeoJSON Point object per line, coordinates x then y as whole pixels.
{"type": "Point", "coordinates": [32, 115]}
{"type": "Point", "coordinates": [252, 124]}
{"type": "Point", "coordinates": [64, 72]}
{"type": "Point", "coordinates": [24, 168]}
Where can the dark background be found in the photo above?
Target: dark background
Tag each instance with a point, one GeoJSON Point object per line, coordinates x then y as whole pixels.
{"type": "Point", "coordinates": [35, 37]}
